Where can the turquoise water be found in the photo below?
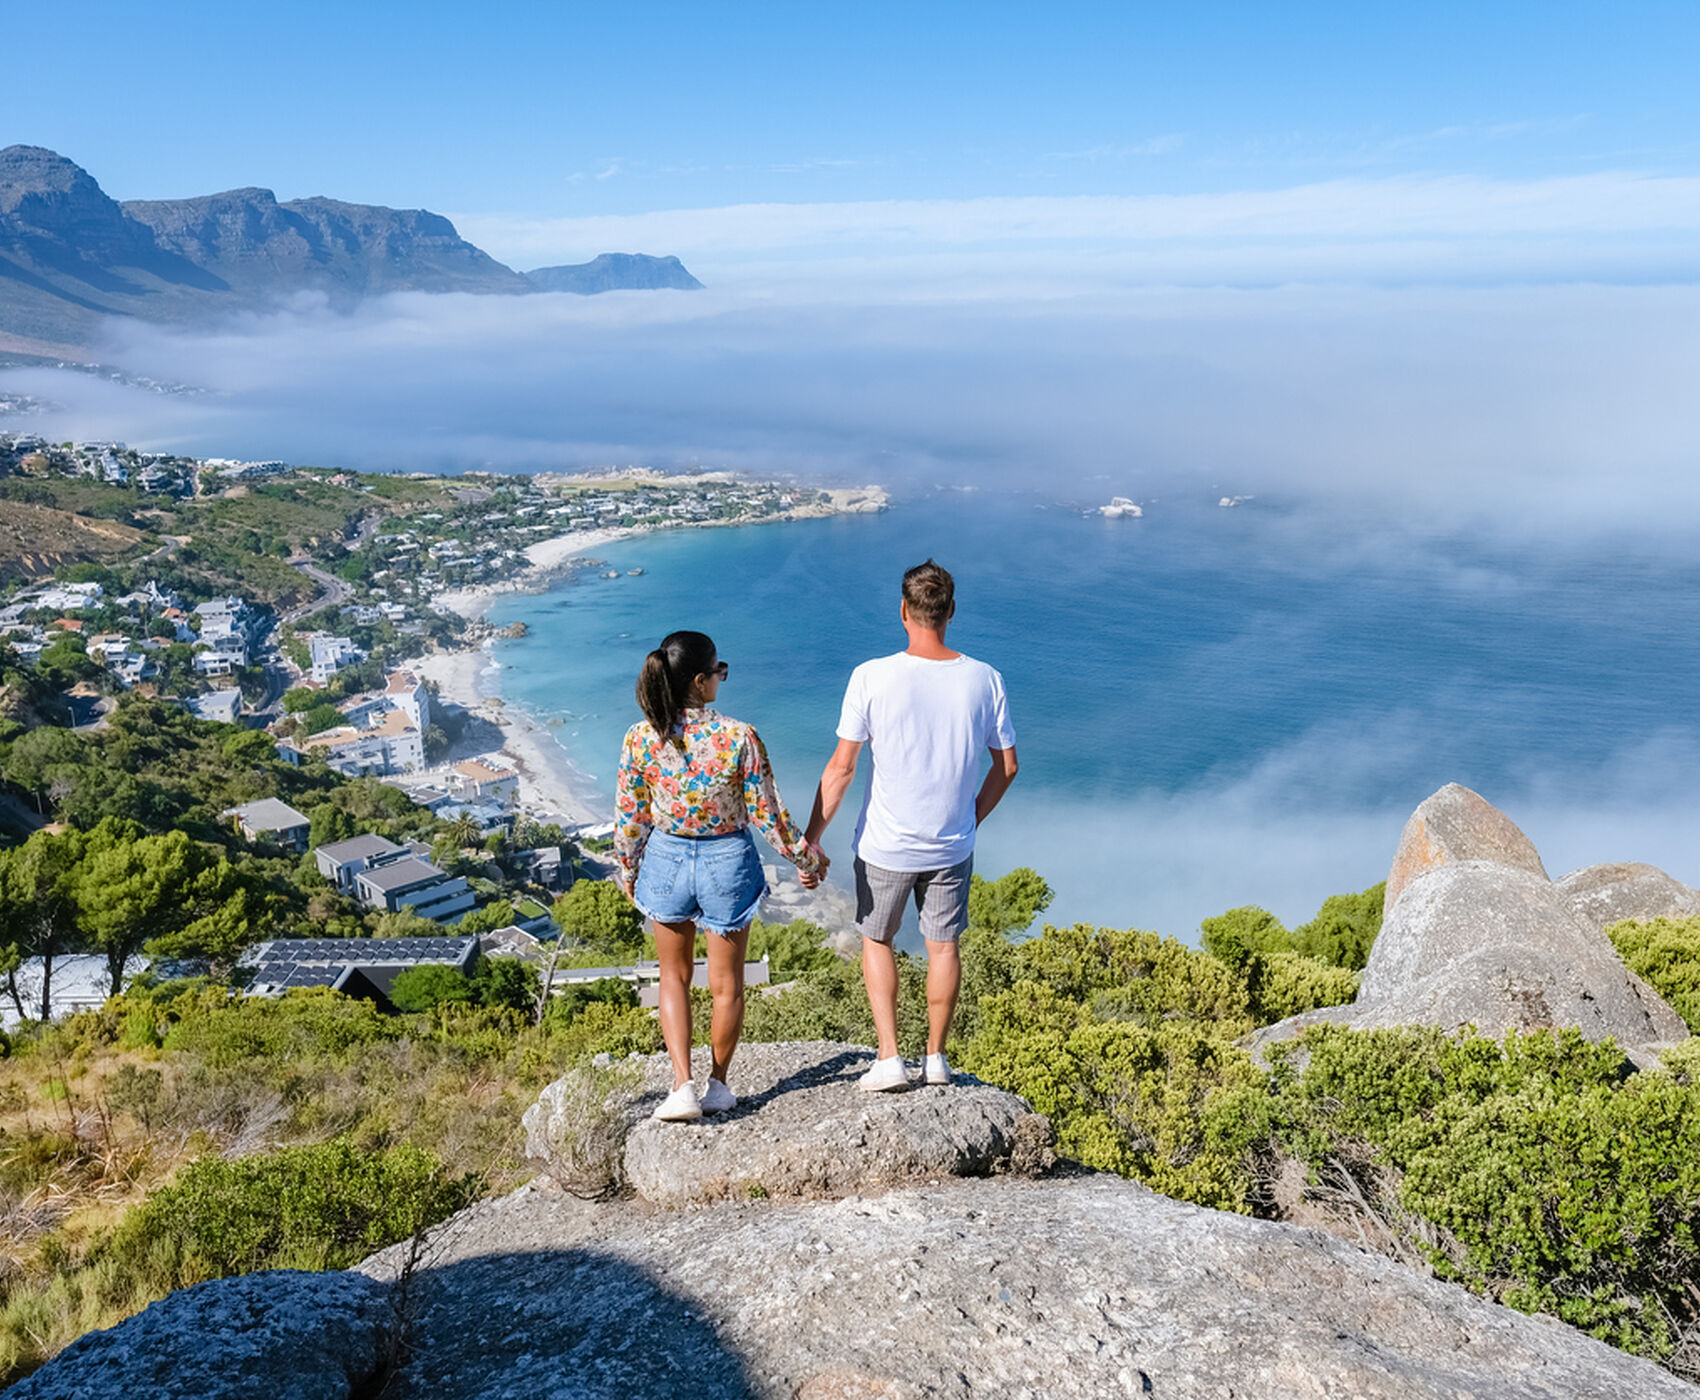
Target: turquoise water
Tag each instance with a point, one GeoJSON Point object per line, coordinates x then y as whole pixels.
{"type": "Point", "coordinates": [1213, 706]}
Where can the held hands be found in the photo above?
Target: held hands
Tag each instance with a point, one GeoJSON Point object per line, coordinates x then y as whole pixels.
{"type": "Point", "coordinates": [809, 880]}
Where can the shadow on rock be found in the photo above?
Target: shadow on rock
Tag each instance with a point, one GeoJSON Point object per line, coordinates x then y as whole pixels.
{"type": "Point", "coordinates": [571, 1324]}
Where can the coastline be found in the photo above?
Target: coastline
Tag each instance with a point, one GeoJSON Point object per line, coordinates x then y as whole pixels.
{"type": "Point", "coordinates": [551, 787]}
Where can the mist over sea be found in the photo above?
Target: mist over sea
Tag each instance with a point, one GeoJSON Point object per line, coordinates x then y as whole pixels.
{"type": "Point", "coordinates": [1213, 706]}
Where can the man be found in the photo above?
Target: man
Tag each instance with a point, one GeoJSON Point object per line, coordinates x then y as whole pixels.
{"type": "Point", "coordinates": [927, 714]}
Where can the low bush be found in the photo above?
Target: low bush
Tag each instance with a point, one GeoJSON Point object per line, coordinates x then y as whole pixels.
{"type": "Point", "coordinates": [1667, 953]}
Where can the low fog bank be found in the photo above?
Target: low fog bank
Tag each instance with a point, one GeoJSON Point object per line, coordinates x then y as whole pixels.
{"type": "Point", "coordinates": [1165, 861]}
{"type": "Point", "coordinates": [1534, 407]}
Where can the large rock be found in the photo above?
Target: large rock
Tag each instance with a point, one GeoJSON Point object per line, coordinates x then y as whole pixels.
{"type": "Point", "coordinates": [801, 1128]}
{"type": "Point", "coordinates": [1476, 935]}
{"type": "Point", "coordinates": [282, 1335]}
{"type": "Point", "coordinates": [1457, 824]}
{"type": "Point", "coordinates": [1086, 1286]}
{"type": "Point", "coordinates": [1607, 894]}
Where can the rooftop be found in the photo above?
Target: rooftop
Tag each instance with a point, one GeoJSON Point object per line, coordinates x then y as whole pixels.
{"type": "Point", "coordinates": [359, 848]}
{"type": "Point", "coordinates": [482, 771]}
{"type": "Point", "coordinates": [268, 814]}
{"type": "Point", "coordinates": [401, 874]}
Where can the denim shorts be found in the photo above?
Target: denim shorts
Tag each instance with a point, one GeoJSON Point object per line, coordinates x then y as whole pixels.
{"type": "Point", "coordinates": [714, 881]}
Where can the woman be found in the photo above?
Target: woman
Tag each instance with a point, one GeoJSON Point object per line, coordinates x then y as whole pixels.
{"type": "Point", "coordinates": [692, 782]}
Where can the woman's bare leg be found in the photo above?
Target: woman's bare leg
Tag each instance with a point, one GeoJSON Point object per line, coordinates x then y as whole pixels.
{"type": "Point", "coordinates": [726, 982]}
{"type": "Point", "coordinates": [675, 949]}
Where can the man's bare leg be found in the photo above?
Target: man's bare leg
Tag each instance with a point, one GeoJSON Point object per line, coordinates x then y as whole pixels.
{"type": "Point", "coordinates": [944, 981]}
{"type": "Point", "coordinates": [879, 975]}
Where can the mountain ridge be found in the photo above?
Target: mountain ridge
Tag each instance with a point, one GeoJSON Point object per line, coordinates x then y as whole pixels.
{"type": "Point", "coordinates": [71, 255]}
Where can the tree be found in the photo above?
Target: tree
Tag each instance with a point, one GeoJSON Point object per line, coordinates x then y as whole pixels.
{"type": "Point", "coordinates": [799, 946]}
{"type": "Point", "coordinates": [596, 916]}
{"type": "Point", "coordinates": [1010, 903]}
{"type": "Point", "coordinates": [133, 889]}
{"type": "Point", "coordinates": [404, 923]}
{"type": "Point", "coordinates": [507, 982]}
{"type": "Point", "coordinates": [300, 699]}
{"type": "Point", "coordinates": [42, 754]}
{"type": "Point", "coordinates": [428, 985]}
{"type": "Point", "coordinates": [327, 823]}
{"type": "Point", "coordinates": [465, 831]}
{"type": "Point", "coordinates": [497, 914]}
{"type": "Point", "coordinates": [321, 717]}
{"type": "Point", "coordinates": [39, 905]}
{"type": "Point", "coordinates": [218, 936]}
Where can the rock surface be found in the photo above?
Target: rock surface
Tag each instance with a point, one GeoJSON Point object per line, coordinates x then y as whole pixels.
{"type": "Point", "coordinates": [1476, 935]}
{"type": "Point", "coordinates": [1084, 1286]}
{"type": "Point", "coordinates": [1607, 894]}
{"type": "Point", "coordinates": [1457, 824]}
{"type": "Point", "coordinates": [801, 1128]}
{"type": "Point", "coordinates": [283, 1335]}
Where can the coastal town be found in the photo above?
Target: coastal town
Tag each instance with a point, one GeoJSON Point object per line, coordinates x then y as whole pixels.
{"type": "Point", "coordinates": [340, 614]}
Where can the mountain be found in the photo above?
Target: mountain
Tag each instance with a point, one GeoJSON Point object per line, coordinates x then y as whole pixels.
{"type": "Point", "coordinates": [254, 244]}
{"type": "Point", "coordinates": [614, 272]}
{"type": "Point", "coordinates": [70, 255]}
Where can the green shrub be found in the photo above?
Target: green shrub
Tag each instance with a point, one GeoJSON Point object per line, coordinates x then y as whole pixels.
{"type": "Point", "coordinates": [1136, 1099]}
{"type": "Point", "coordinates": [322, 1207]}
{"type": "Point", "coordinates": [310, 1024]}
{"type": "Point", "coordinates": [1279, 985]}
{"type": "Point", "coordinates": [1130, 975]}
{"type": "Point", "coordinates": [1559, 1181]}
{"type": "Point", "coordinates": [1667, 953]}
{"type": "Point", "coordinates": [431, 984]}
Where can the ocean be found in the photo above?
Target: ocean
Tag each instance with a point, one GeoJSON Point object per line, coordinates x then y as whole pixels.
{"type": "Point", "coordinates": [1213, 706]}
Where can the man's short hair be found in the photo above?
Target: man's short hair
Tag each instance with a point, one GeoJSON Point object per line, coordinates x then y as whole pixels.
{"type": "Point", "coordinates": [930, 592]}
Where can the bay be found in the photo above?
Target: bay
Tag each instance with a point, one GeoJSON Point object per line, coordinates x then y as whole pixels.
{"type": "Point", "coordinates": [1213, 706]}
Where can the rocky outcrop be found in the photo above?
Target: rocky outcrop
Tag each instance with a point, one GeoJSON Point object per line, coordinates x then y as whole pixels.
{"type": "Point", "coordinates": [1453, 825]}
{"type": "Point", "coordinates": [1476, 935]}
{"type": "Point", "coordinates": [1085, 1286]}
{"type": "Point", "coordinates": [801, 1128]}
{"type": "Point", "coordinates": [615, 272]}
{"type": "Point", "coordinates": [1607, 894]}
{"type": "Point", "coordinates": [282, 1335]}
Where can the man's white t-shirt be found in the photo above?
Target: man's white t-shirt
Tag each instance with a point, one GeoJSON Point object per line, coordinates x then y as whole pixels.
{"type": "Point", "coordinates": [927, 725]}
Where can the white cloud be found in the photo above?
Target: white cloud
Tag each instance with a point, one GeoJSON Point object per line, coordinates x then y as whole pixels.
{"type": "Point", "coordinates": [1409, 211]}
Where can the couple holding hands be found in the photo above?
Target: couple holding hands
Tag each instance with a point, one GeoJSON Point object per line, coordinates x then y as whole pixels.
{"type": "Point", "coordinates": [693, 782]}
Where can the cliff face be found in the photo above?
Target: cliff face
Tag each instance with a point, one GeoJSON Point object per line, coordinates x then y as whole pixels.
{"type": "Point", "coordinates": [70, 255]}
{"type": "Point", "coordinates": [254, 244]}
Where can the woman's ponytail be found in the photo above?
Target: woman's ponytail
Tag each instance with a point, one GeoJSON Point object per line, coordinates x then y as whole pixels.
{"type": "Point", "coordinates": [664, 683]}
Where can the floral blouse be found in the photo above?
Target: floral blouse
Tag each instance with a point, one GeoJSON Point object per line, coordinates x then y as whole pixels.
{"type": "Point", "coordinates": [720, 782]}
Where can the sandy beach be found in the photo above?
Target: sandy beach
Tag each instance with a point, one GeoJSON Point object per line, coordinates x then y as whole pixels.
{"type": "Point", "coordinates": [544, 560]}
{"type": "Point", "coordinates": [548, 787]}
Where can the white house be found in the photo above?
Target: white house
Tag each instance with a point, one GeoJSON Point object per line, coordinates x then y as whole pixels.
{"type": "Point", "coordinates": [330, 654]}
{"type": "Point", "coordinates": [221, 705]}
{"type": "Point", "coordinates": [484, 777]}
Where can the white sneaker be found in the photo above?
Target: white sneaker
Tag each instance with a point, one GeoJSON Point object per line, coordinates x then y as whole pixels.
{"type": "Point", "coordinates": [679, 1106]}
{"type": "Point", "coordinates": [885, 1076]}
{"type": "Point", "coordinates": [717, 1098]}
{"type": "Point", "coordinates": [936, 1070]}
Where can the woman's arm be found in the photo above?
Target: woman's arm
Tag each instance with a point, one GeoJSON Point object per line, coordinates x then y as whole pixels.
{"type": "Point", "coordinates": [632, 818]}
{"type": "Point", "coordinates": [766, 812]}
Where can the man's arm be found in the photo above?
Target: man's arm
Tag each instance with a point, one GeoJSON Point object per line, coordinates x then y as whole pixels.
{"type": "Point", "coordinates": [998, 778]}
{"type": "Point", "coordinates": [835, 780]}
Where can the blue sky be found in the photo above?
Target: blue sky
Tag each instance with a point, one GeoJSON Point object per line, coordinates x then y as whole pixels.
{"type": "Point", "coordinates": [565, 111]}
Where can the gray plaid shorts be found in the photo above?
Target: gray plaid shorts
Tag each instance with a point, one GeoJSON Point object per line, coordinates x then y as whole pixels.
{"type": "Point", "coordinates": [941, 896]}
